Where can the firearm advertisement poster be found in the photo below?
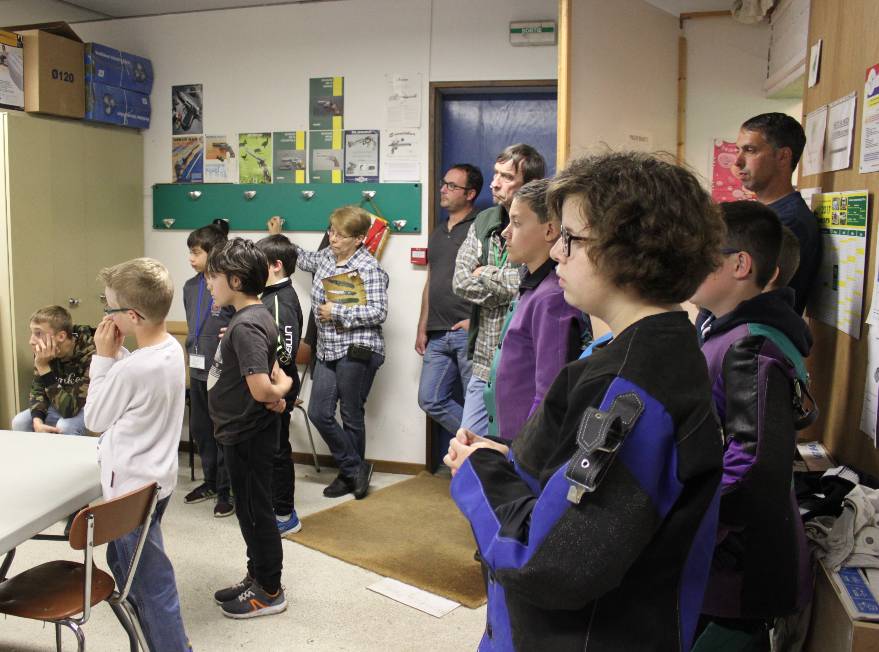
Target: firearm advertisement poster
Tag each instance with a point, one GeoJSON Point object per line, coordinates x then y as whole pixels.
{"type": "Point", "coordinates": [289, 156]}
{"type": "Point", "coordinates": [255, 157]}
{"type": "Point", "coordinates": [870, 127]}
{"type": "Point", "coordinates": [326, 103]}
{"type": "Point", "coordinates": [404, 101]}
{"type": "Point", "coordinates": [725, 185]}
{"type": "Point", "coordinates": [326, 156]}
{"type": "Point", "coordinates": [220, 160]}
{"type": "Point", "coordinates": [400, 155]}
{"type": "Point", "coordinates": [187, 159]}
{"type": "Point", "coordinates": [361, 155]}
{"type": "Point", "coordinates": [186, 109]}
{"type": "Point", "coordinates": [838, 295]}
{"type": "Point", "coordinates": [346, 288]}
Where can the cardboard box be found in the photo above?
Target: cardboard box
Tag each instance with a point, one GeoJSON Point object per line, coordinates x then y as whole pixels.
{"type": "Point", "coordinates": [117, 106]}
{"type": "Point", "coordinates": [53, 69]}
{"type": "Point", "coordinates": [834, 625]}
{"type": "Point", "coordinates": [107, 65]}
{"type": "Point", "coordinates": [11, 71]}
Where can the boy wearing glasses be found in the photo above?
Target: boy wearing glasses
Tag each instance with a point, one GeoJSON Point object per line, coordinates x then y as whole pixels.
{"type": "Point", "coordinates": [754, 344]}
{"type": "Point", "coordinates": [62, 355]}
{"type": "Point", "coordinates": [136, 401]}
{"type": "Point", "coordinates": [445, 318]}
{"type": "Point", "coordinates": [596, 525]}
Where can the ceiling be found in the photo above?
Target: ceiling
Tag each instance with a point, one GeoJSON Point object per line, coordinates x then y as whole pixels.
{"type": "Point", "coordinates": [18, 12]}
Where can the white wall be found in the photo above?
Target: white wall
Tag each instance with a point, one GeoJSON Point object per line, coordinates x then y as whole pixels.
{"type": "Point", "coordinates": [255, 65]}
{"type": "Point", "coordinates": [726, 68]}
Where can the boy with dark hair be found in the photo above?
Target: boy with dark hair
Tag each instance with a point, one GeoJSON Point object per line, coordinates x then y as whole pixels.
{"type": "Point", "coordinates": [62, 355]}
{"type": "Point", "coordinates": [754, 345]}
{"type": "Point", "coordinates": [596, 525]}
{"type": "Point", "coordinates": [283, 303]}
{"type": "Point", "coordinates": [205, 320]}
{"type": "Point", "coordinates": [542, 332]}
{"type": "Point", "coordinates": [136, 401]}
{"type": "Point", "coordinates": [246, 388]}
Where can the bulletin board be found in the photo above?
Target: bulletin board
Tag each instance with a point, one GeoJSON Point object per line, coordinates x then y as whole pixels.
{"type": "Point", "coordinates": [837, 364]}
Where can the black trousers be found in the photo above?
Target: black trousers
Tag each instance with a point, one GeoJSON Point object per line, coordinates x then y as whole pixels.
{"type": "Point", "coordinates": [250, 471]}
{"type": "Point", "coordinates": [283, 475]}
{"type": "Point", "coordinates": [201, 428]}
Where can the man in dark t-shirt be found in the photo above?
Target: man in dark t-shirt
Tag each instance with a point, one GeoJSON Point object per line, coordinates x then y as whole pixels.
{"type": "Point", "coordinates": [769, 147]}
{"type": "Point", "coordinates": [445, 317]}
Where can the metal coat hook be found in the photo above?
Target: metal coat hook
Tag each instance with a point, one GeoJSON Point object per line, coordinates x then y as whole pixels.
{"type": "Point", "coordinates": [168, 222]}
{"type": "Point", "coordinates": [399, 225]}
{"type": "Point", "coordinates": [307, 194]}
{"type": "Point", "coordinates": [249, 194]}
{"type": "Point", "coordinates": [194, 194]}
{"type": "Point", "coordinates": [368, 194]}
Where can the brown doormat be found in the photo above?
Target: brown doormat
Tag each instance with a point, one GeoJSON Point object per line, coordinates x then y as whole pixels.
{"type": "Point", "coordinates": [410, 531]}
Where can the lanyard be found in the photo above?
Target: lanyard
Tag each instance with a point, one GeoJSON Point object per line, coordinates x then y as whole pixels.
{"type": "Point", "coordinates": [199, 321]}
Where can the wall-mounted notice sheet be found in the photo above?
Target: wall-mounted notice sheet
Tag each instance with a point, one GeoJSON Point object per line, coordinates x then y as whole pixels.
{"type": "Point", "coordinates": [870, 126]}
{"type": "Point", "coordinates": [840, 133]}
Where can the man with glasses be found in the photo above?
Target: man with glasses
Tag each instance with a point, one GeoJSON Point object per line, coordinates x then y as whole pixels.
{"type": "Point", "coordinates": [484, 277]}
{"type": "Point", "coordinates": [445, 317]}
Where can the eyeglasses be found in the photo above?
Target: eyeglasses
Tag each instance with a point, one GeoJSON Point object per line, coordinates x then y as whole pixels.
{"type": "Point", "coordinates": [335, 234]}
{"type": "Point", "coordinates": [110, 311]}
{"type": "Point", "coordinates": [726, 251]}
{"type": "Point", "coordinates": [453, 186]}
{"type": "Point", "coordinates": [568, 238]}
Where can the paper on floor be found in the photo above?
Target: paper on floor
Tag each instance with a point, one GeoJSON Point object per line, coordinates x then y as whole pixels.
{"type": "Point", "coordinates": [411, 596]}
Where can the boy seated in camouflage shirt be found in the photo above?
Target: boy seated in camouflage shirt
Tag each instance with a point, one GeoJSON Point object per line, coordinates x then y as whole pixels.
{"type": "Point", "coordinates": [62, 355]}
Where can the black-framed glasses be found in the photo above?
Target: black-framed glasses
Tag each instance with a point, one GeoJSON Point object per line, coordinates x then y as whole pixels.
{"type": "Point", "coordinates": [568, 238]}
{"type": "Point", "coordinates": [110, 311]}
{"type": "Point", "coordinates": [453, 186]}
{"type": "Point", "coordinates": [332, 233]}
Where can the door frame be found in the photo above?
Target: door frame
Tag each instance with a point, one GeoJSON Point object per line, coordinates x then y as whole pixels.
{"type": "Point", "coordinates": [437, 90]}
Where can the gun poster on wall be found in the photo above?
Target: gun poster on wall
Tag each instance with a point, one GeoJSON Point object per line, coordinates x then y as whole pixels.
{"type": "Point", "coordinates": [361, 155]}
{"type": "Point", "coordinates": [289, 157]}
{"type": "Point", "coordinates": [186, 110]}
{"type": "Point", "coordinates": [187, 159]}
{"type": "Point", "coordinates": [838, 294]}
{"type": "Point", "coordinates": [326, 156]}
{"type": "Point", "coordinates": [326, 103]}
{"type": "Point", "coordinates": [220, 161]}
{"type": "Point", "coordinates": [255, 157]}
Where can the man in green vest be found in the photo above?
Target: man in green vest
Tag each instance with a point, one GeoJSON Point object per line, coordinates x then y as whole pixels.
{"type": "Point", "coordinates": [484, 277]}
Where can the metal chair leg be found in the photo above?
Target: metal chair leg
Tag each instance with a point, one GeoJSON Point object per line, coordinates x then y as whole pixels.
{"type": "Point", "coordinates": [310, 438]}
{"type": "Point", "coordinates": [57, 637]}
{"type": "Point", "coordinates": [73, 627]}
{"type": "Point", "coordinates": [125, 621]}
{"type": "Point", "coordinates": [134, 619]}
{"type": "Point", "coordinates": [7, 562]}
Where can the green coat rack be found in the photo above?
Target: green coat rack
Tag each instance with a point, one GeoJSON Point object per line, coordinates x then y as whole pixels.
{"type": "Point", "coordinates": [304, 207]}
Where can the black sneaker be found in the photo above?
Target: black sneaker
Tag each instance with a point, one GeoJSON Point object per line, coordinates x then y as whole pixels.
{"type": "Point", "coordinates": [254, 601]}
{"type": "Point", "coordinates": [232, 592]}
{"type": "Point", "coordinates": [200, 493]}
{"type": "Point", "coordinates": [338, 487]}
{"type": "Point", "coordinates": [361, 482]}
{"type": "Point", "coordinates": [224, 507]}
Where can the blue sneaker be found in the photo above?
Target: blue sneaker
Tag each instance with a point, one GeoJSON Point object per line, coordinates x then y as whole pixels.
{"type": "Point", "coordinates": [292, 525]}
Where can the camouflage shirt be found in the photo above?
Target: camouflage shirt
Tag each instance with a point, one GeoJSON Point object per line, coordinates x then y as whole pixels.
{"type": "Point", "coordinates": [67, 383]}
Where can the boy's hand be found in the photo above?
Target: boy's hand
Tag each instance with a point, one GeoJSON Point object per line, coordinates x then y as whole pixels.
{"type": "Point", "coordinates": [221, 333]}
{"type": "Point", "coordinates": [108, 338]}
{"type": "Point", "coordinates": [278, 406]}
{"type": "Point", "coordinates": [281, 380]}
{"type": "Point", "coordinates": [39, 426]}
{"type": "Point", "coordinates": [463, 445]}
{"type": "Point", "coordinates": [45, 350]}
{"type": "Point", "coordinates": [274, 225]}
{"type": "Point", "coordinates": [325, 312]}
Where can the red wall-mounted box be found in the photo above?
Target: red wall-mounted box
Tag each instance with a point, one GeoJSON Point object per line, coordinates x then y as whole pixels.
{"type": "Point", "coordinates": [418, 255]}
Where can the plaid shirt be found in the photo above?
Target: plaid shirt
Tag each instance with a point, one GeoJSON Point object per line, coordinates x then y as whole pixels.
{"type": "Point", "coordinates": [350, 324]}
{"type": "Point", "coordinates": [493, 290]}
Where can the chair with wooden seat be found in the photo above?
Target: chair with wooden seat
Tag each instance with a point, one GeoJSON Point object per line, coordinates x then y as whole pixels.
{"type": "Point", "coordinates": [59, 590]}
{"type": "Point", "coordinates": [303, 357]}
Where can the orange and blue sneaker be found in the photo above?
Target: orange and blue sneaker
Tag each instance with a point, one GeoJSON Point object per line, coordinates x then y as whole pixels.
{"type": "Point", "coordinates": [255, 601]}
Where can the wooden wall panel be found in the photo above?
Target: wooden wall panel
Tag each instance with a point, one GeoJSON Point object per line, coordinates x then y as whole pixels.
{"type": "Point", "coordinates": [838, 362]}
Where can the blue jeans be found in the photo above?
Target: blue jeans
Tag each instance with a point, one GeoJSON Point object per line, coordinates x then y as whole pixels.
{"type": "Point", "coordinates": [475, 415]}
{"type": "Point", "coordinates": [154, 591]}
{"type": "Point", "coordinates": [445, 367]}
{"type": "Point", "coordinates": [75, 425]}
{"type": "Point", "coordinates": [346, 382]}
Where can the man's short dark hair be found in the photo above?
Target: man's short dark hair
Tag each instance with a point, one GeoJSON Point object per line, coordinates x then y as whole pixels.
{"type": "Point", "coordinates": [533, 193]}
{"type": "Point", "coordinates": [788, 257]}
{"type": "Point", "coordinates": [242, 259]}
{"type": "Point", "coordinates": [526, 160]}
{"type": "Point", "coordinates": [780, 130]}
{"type": "Point", "coordinates": [755, 228]}
{"type": "Point", "coordinates": [474, 175]}
{"type": "Point", "coordinates": [208, 237]}
{"type": "Point", "coordinates": [279, 247]}
{"type": "Point", "coordinates": [652, 227]}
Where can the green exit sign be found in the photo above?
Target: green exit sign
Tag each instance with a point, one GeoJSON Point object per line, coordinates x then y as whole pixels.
{"type": "Point", "coordinates": [538, 32]}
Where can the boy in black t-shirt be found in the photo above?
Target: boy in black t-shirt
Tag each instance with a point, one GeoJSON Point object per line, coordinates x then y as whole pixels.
{"type": "Point", "coordinates": [283, 303]}
{"type": "Point", "coordinates": [246, 387]}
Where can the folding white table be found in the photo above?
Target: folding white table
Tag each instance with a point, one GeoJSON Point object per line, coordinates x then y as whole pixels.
{"type": "Point", "coordinates": [45, 477]}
